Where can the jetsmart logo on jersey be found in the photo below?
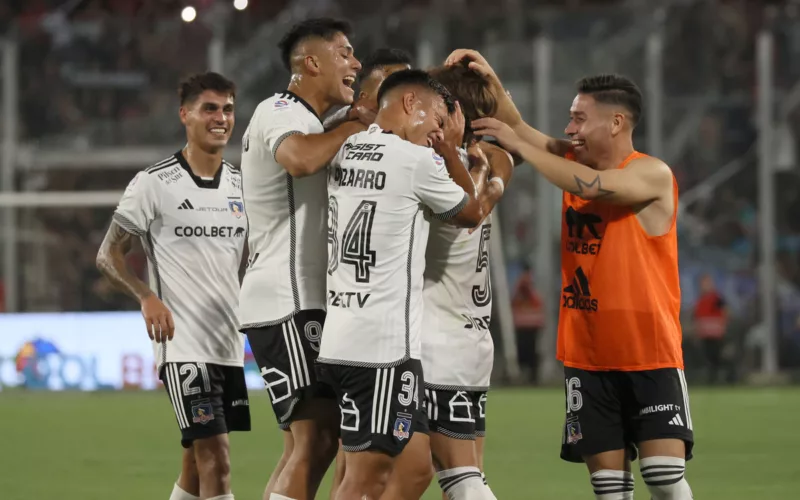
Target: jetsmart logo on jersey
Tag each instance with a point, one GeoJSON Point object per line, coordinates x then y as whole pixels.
{"type": "Point", "coordinates": [577, 295]}
{"type": "Point", "coordinates": [209, 232]}
{"type": "Point", "coordinates": [281, 104]}
{"type": "Point", "coordinates": [582, 228]}
{"type": "Point", "coordinates": [187, 205]}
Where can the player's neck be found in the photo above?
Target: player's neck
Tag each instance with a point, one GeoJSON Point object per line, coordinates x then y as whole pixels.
{"type": "Point", "coordinates": [620, 149]}
{"type": "Point", "coordinates": [386, 123]}
{"type": "Point", "coordinates": [304, 88]}
{"type": "Point", "coordinates": [202, 163]}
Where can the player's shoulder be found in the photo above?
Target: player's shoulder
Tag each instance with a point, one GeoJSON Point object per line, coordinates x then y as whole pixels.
{"type": "Point", "coordinates": [161, 173]}
{"type": "Point", "coordinates": [231, 168]}
{"type": "Point", "coordinates": [654, 168]}
{"type": "Point", "coordinates": [166, 163]}
{"type": "Point", "coordinates": [287, 104]}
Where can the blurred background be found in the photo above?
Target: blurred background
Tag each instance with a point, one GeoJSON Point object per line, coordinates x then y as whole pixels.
{"type": "Point", "coordinates": [89, 98]}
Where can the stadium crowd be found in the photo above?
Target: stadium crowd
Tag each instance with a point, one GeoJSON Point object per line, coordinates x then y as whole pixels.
{"type": "Point", "coordinates": [108, 66]}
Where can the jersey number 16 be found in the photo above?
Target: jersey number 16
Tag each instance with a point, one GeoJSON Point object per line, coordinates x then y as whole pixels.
{"type": "Point", "coordinates": [356, 249]}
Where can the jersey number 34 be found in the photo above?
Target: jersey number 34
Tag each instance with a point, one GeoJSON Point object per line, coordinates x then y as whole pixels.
{"type": "Point", "coordinates": [355, 248]}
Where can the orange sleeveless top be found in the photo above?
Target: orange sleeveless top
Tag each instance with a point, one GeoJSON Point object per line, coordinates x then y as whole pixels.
{"type": "Point", "coordinates": [620, 298]}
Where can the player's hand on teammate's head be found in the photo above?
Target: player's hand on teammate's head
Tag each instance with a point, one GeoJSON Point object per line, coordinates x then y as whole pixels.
{"type": "Point", "coordinates": [453, 132]}
{"type": "Point", "coordinates": [474, 61]}
{"type": "Point", "coordinates": [158, 319]}
{"type": "Point", "coordinates": [506, 109]}
{"type": "Point", "coordinates": [504, 134]}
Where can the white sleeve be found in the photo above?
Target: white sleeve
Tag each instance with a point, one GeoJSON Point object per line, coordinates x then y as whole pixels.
{"type": "Point", "coordinates": [139, 204]}
{"type": "Point", "coordinates": [278, 123]}
{"type": "Point", "coordinates": [434, 187]}
{"type": "Point", "coordinates": [337, 118]}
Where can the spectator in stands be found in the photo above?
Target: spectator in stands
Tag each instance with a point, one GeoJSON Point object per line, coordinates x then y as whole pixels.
{"type": "Point", "coordinates": [710, 325]}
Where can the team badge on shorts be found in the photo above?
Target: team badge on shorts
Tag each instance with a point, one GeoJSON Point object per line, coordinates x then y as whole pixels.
{"type": "Point", "coordinates": [573, 432]}
{"type": "Point", "coordinates": [402, 426]}
{"type": "Point", "coordinates": [202, 413]}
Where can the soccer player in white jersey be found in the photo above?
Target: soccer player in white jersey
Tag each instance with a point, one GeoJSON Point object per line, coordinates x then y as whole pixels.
{"type": "Point", "coordinates": [457, 348]}
{"type": "Point", "coordinates": [379, 185]}
{"type": "Point", "coordinates": [375, 68]}
{"type": "Point", "coordinates": [282, 301]}
{"type": "Point", "coordinates": [188, 212]}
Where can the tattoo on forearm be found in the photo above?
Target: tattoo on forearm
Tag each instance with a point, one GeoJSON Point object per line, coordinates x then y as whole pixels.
{"type": "Point", "coordinates": [111, 262]}
{"type": "Point", "coordinates": [593, 189]}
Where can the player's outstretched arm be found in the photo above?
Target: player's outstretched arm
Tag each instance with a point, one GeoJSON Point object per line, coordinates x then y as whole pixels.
{"type": "Point", "coordinates": [111, 262]}
{"type": "Point", "coordinates": [302, 155]}
{"type": "Point", "coordinates": [507, 111]}
{"type": "Point", "coordinates": [644, 180]}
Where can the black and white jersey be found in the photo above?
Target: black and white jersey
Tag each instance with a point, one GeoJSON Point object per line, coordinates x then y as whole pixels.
{"type": "Point", "coordinates": [457, 348]}
{"type": "Point", "coordinates": [377, 232]}
{"type": "Point", "coordinates": [193, 231]}
{"type": "Point", "coordinates": [286, 271]}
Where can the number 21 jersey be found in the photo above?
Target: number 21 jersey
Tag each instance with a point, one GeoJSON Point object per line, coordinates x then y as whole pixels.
{"type": "Point", "coordinates": [378, 185]}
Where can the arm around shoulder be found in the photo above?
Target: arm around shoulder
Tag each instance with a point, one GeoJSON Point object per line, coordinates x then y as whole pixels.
{"type": "Point", "coordinates": [303, 155]}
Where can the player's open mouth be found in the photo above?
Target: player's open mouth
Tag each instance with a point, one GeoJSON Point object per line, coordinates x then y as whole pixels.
{"type": "Point", "coordinates": [218, 131]}
{"type": "Point", "coordinates": [578, 143]}
{"type": "Point", "coordinates": [348, 82]}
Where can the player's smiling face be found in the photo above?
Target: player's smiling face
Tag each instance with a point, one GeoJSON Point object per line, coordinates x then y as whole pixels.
{"type": "Point", "coordinates": [590, 128]}
{"type": "Point", "coordinates": [339, 67]}
{"type": "Point", "coordinates": [427, 115]}
{"type": "Point", "coordinates": [209, 120]}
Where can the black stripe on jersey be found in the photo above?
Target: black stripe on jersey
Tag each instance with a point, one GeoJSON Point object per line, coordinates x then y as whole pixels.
{"type": "Point", "coordinates": [153, 170]}
{"type": "Point", "coordinates": [408, 286]}
{"type": "Point", "coordinates": [171, 160]}
{"type": "Point", "coordinates": [455, 210]}
{"type": "Point", "coordinates": [292, 242]}
{"type": "Point", "coordinates": [296, 98]}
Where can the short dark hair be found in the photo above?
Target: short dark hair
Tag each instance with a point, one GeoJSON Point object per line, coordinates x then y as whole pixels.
{"type": "Point", "coordinates": [192, 86]}
{"type": "Point", "coordinates": [614, 89]}
{"type": "Point", "coordinates": [321, 27]}
{"type": "Point", "coordinates": [382, 57]}
{"type": "Point", "coordinates": [419, 78]}
{"type": "Point", "coordinates": [471, 90]}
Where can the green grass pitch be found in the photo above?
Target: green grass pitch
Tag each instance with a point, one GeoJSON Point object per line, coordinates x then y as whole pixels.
{"type": "Point", "coordinates": [126, 446]}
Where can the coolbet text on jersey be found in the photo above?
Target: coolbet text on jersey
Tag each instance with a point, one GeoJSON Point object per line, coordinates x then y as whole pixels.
{"type": "Point", "coordinates": [193, 232]}
{"type": "Point", "coordinates": [620, 298]}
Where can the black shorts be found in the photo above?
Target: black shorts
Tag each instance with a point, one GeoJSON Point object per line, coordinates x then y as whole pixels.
{"type": "Point", "coordinates": [208, 399]}
{"type": "Point", "coordinates": [456, 414]}
{"type": "Point", "coordinates": [381, 408]}
{"type": "Point", "coordinates": [615, 410]}
{"type": "Point", "coordinates": [285, 354]}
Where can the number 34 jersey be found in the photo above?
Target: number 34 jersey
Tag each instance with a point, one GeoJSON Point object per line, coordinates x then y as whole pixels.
{"type": "Point", "coordinates": [457, 348]}
{"type": "Point", "coordinates": [378, 186]}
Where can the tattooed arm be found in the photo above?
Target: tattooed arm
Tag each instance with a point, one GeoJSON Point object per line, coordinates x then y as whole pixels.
{"type": "Point", "coordinates": [111, 262]}
{"type": "Point", "coordinates": [644, 180]}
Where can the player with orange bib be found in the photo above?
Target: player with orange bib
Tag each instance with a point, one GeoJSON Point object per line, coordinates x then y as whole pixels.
{"type": "Point", "coordinates": [619, 334]}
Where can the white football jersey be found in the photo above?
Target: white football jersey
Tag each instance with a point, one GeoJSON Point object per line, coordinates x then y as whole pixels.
{"type": "Point", "coordinates": [378, 185]}
{"type": "Point", "coordinates": [457, 348]}
{"type": "Point", "coordinates": [193, 232]}
{"type": "Point", "coordinates": [286, 268]}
